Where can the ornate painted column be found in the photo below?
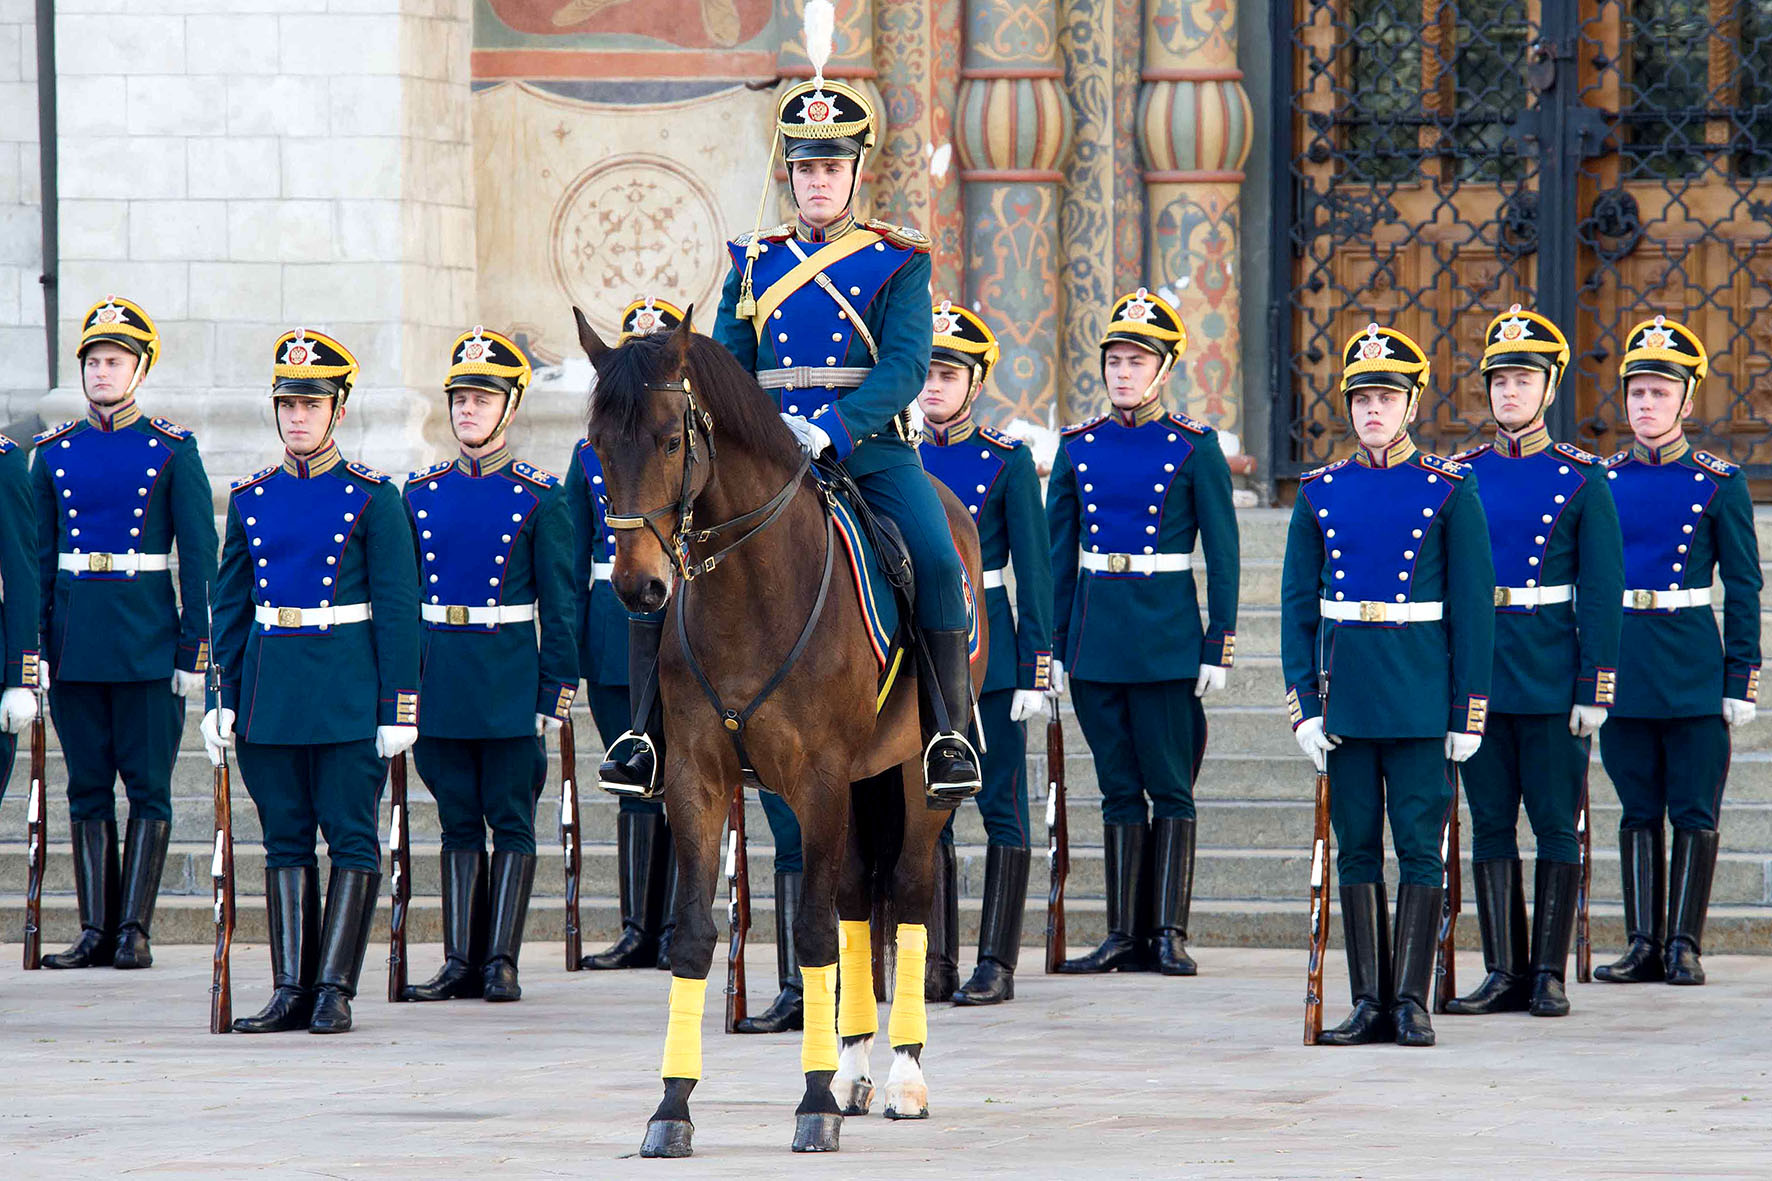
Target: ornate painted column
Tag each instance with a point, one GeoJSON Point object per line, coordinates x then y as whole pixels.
{"type": "Point", "coordinates": [1013, 139]}
{"type": "Point", "coordinates": [1194, 131]}
{"type": "Point", "coordinates": [917, 54]}
{"type": "Point", "coordinates": [852, 61]}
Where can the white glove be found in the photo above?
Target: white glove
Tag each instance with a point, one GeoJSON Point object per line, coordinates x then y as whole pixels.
{"type": "Point", "coordinates": [1027, 703]}
{"type": "Point", "coordinates": [812, 438]}
{"type": "Point", "coordinates": [1212, 678]}
{"type": "Point", "coordinates": [545, 724]}
{"type": "Point", "coordinates": [18, 709]}
{"type": "Point", "coordinates": [1460, 747]}
{"type": "Point", "coordinates": [43, 673]}
{"type": "Point", "coordinates": [1735, 711]}
{"type": "Point", "coordinates": [394, 740]}
{"type": "Point", "coordinates": [187, 685]}
{"type": "Point", "coordinates": [1057, 676]}
{"type": "Point", "coordinates": [1585, 720]}
{"type": "Point", "coordinates": [218, 734]}
{"type": "Point", "coordinates": [1314, 742]}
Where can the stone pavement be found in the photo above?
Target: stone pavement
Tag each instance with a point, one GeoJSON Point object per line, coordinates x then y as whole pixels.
{"type": "Point", "coordinates": [1130, 1076]}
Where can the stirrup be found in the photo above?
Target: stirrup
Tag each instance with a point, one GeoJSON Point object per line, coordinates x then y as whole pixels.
{"type": "Point", "coordinates": [647, 791]}
{"type": "Point", "coordinates": [951, 794]}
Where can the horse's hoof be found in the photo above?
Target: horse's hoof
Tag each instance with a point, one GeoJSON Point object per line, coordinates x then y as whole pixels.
{"type": "Point", "coordinates": [907, 1102]}
{"type": "Point", "coordinates": [668, 1138]}
{"type": "Point", "coordinates": [855, 1096]}
{"type": "Point", "coordinates": [817, 1131]}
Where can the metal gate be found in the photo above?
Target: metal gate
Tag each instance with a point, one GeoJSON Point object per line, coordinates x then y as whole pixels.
{"type": "Point", "coordinates": [1601, 160]}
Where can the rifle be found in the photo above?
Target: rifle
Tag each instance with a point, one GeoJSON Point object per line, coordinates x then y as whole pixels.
{"type": "Point", "coordinates": [1584, 948]}
{"type": "Point", "coordinates": [738, 910]}
{"type": "Point", "coordinates": [1452, 903]}
{"type": "Point", "coordinates": [1058, 849]}
{"type": "Point", "coordinates": [1319, 937]}
{"type": "Point", "coordinates": [399, 834]}
{"type": "Point", "coordinates": [37, 834]}
{"type": "Point", "coordinates": [569, 842]}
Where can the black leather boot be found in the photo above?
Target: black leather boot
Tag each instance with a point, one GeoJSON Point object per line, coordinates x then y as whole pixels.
{"type": "Point", "coordinates": [1415, 940]}
{"type": "Point", "coordinates": [513, 876]}
{"type": "Point", "coordinates": [788, 1009]}
{"type": "Point", "coordinates": [665, 921]}
{"type": "Point", "coordinates": [636, 759]}
{"type": "Point", "coordinates": [1366, 931]}
{"type": "Point", "coordinates": [1501, 917]}
{"type": "Point", "coordinates": [144, 859]}
{"type": "Point", "coordinates": [999, 928]}
{"type": "Point", "coordinates": [350, 908]}
{"type": "Point", "coordinates": [950, 764]}
{"type": "Point", "coordinates": [1123, 853]}
{"type": "Point", "coordinates": [1694, 864]}
{"type": "Point", "coordinates": [1172, 872]}
{"type": "Point", "coordinates": [1553, 928]}
{"type": "Point", "coordinates": [640, 839]}
{"type": "Point", "coordinates": [95, 881]}
{"type": "Point", "coordinates": [464, 885]}
{"type": "Point", "coordinates": [941, 970]}
{"type": "Point", "coordinates": [292, 901]}
{"type": "Point", "coordinates": [1643, 866]}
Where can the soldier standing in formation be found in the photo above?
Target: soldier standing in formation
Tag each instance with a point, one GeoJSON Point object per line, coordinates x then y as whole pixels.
{"type": "Point", "coordinates": [115, 493]}
{"type": "Point", "coordinates": [994, 477]}
{"type": "Point", "coordinates": [1559, 571]}
{"type": "Point", "coordinates": [499, 667]}
{"type": "Point", "coordinates": [317, 634]}
{"type": "Point", "coordinates": [19, 606]}
{"type": "Point", "coordinates": [1387, 626]}
{"type": "Point", "coordinates": [1130, 494]}
{"type": "Point", "coordinates": [1686, 515]}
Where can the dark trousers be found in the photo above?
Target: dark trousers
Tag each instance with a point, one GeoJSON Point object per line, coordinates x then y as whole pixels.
{"type": "Point", "coordinates": [1003, 801]}
{"type": "Point", "coordinates": [1146, 740]}
{"type": "Point", "coordinates": [609, 709]}
{"type": "Point", "coordinates": [333, 787]}
{"type": "Point", "coordinates": [480, 784]}
{"type": "Point", "coordinates": [1410, 779]}
{"type": "Point", "coordinates": [905, 494]}
{"type": "Point", "coordinates": [785, 828]}
{"type": "Point", "coordinates": [1531, 758]}
{"type": "Point", "coordinates": [1672, 768]}
{"type": "Point", "coordinates": [118, 728]}
{"type": "Point", "coordinates": [8, 749]}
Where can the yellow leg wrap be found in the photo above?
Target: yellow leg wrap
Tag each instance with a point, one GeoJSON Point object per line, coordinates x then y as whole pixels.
{"type": "Point", "coordinates": [682, 1052]}
{"type": "Point", "coordinates": [909, 1023]}
{"type": "Point", "coordinates": [856, 1014]}
{"type": "Point", "coordinates": [818, 1043]}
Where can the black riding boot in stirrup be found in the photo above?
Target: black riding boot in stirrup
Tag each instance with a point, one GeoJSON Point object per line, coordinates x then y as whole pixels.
{"type": "Point", "coordinates": [464, 897]}
{"type": "Point", "coordinates": [1553, 927]}
{"type": "Point", "coordinates": [941, 970]}
{"type": "Point", "coordinates": [1415, 940]}
{"type": "Point", "coordinates": [636, 759]}
{"type": "Point", "coordinates": [292, 900]}
{"type": "Point", "coordinates": [1366, 930]}
{"type": "Point", "coordinates": [1643, 866]}
{"type": "Point", "coordinates": [1694, 863]}
{"type": "Point", "coordinates": [1172, 872]}
{"type": "Point", "coordinates": [1121, 951]}
{"type": "Point", "coordinates": [144, 858]}
{"type": "Point", "coordinates": [1501, 917]}
{"type": "Point", "coordinates": [95, 880]}
{"type": "Point", "coordinates": [999, 928]}
{"type": "Point", "coordinates": [642, 842]}
{"type": "Point", "coordinates": [350, 908]}
{"type": "Point", "coordinates": [513, 877]}
{"type": "Point", "coordinates": [788, 1010]}
{"type": "Point", "coordinates": [950, 764]}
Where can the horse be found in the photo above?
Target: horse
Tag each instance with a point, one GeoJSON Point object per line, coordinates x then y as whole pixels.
{"type": "Point", "coordinates": [719, 519]}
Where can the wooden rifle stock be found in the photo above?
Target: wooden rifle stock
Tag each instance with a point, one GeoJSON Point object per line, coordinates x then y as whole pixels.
{"type": "Point", "coordinates": [1584, 948]}
{"type": "Point", "coordinates": [37, 839]}
{"type": "Point", "coordinates": [221, 873]}
{"type": "Point", "coordinates": [399, 840]}
{"type": "Point", "coordinates": [1319, 917]}
{"type": "Point", "coordinates": [738, 913]}
{"type": "Point", "coordinates": [1058, 840]}
{"type": "Point", "coordinates": [569, 843]}
{"type": "Point", "coordinates": [1451, 905]}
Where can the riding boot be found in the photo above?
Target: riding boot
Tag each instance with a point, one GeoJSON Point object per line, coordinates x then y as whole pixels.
{"type": "Point", "coordinates": [1643, 867]}
{"type": "Point", "coordinates": [640, 842]}
{"type": "Point", "coordinates": [1121, 951]}
{"type": "Point", "coordinates": [664, 920]}
{"type": "Point", "coordinates": [1172, 871]}
{"type": "Point", "coordinates": [292, 902]}
{"type": "Point", "coordinates": [1501, 917]}
{"type": "Point", "coordinates": [1415, 940]}
{"type": "Point", "coordinates": [787, 1011]}
{"type": "Point", "coordinates": [941, 970]}
{"type": "Point", "coordinates": [1694, 863]}
{"type": "Point", "coordinates": [1553, 928]}
{"type": "Point", "coordinates": [95, 880]}
{"type": "Point", "coordinates": [950, 764]}
{"type": "Point", "coordinates": [350, 908]}
{"type": "Point", "coordinates": [464, 882]}
{"type": "Point", "coordinates": [636, 772]}
{"type": "Point", "coordinates": [999, 928]}
{"type": "Point", "coordinates": [1365, 929]}
{"type": "Point", "coordinates": [144, 858]}
{"type": "Point", "coordinates": [513, 876]}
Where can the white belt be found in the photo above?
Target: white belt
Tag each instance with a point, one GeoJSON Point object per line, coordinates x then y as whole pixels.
{"type": "Point", "coordinates": [442, 613]}
{"type": "Point", "coordinates": [1532, 596]}
{"type": "Point", "coordinates": [602, 571]}
{"type": "Point", "coordinates": [1367, 611]}
{"type": "Point", "coordinates": [1663, 600]}
{"type": "Point", "coordinates": [813, 376]}
{"type": "Point", "coordinates": [993, 579]}
{"type": "Point", "coordinates": [1137, 563]}
{"type": "Point", "coordinates": [111, 563]}
{"type": "Point", "coordinates": [310, 616]}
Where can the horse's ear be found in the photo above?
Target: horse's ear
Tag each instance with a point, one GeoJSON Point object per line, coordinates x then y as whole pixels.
{"type": "Point", "coordinates": [588, 339]}
{"type": "Point", "coordinates": [680, 336]}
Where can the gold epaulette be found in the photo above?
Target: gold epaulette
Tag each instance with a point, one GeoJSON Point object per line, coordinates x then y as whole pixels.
{"type": "Point", "coordinates": [772, 234]}
{"type": "Point", "coordinates": [904, 237]}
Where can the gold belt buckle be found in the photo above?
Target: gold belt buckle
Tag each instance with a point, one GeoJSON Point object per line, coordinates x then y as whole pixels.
{"type": "Point", "coordinates": [1643, 600]}
{"type": "Point", "coordinates": [455, 616]}
{"type": "Point", "coordinates": [289, 617]}
{"type": "Point", "coordinates": [1371, 612]}
{"type": "Point", "coordinates": [98, 563]}
{"type": "Point", "coordinates": [1119, 563]}
{"type": "Point", "coordinates": [1504, 596]}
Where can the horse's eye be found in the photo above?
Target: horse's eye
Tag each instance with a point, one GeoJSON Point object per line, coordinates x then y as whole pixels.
{"type": "Point", "coordinates": [674, 444]}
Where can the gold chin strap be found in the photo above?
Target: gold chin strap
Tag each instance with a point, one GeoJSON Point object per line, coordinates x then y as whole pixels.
{"type": "Point", "coordinates": [1150, 391]}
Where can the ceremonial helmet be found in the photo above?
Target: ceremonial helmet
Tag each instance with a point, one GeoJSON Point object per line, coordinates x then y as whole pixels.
{"type": "Point", "coordinates": [962, 339]}
{"type": "Point", "coordinates": [1666, 349]}
{"type": "Point", "coordinates": [488, 360]}
{"type": "Point", "coordinates": [1522, 339]}
{"type": "Point", "coordinates": [1147, 321]}
{"type": "Point", "coordinates": [821, 118]}
{"type": "Point", "coordinates": [1385, 358]}
{"type": "Point", "coordinates": [310, 364]}
{"type": "Point", "coordinates": [647, 315]}
{"type": "Point", "coordinates": [122, 322]}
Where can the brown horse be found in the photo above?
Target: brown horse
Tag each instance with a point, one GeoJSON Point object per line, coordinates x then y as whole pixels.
{"type": "Point", "coordinates": [713, 500]}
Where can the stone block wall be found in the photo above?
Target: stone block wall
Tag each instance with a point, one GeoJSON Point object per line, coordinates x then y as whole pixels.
{"type": "Point", "coordinates": [22, 360]}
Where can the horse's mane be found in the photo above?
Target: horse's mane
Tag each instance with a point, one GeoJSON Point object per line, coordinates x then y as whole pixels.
{"type": "Point", "coordinates": [743, 414]}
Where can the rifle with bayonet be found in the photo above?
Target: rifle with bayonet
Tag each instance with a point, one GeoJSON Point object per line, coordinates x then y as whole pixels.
{"type": "Point", "coordinates": [36, 836]}
{"type": "Point", "coordinates": [1058, 850]}
{"type": "Point", "coordinates": [1451, 905]}
{"type": "Point", "coordinates": [400, 894]}
{"type": "Point", "coordinates": [221, 868]}
{"type": "Point", "coordinates": [569, 842]}
{"type": "Point", "coordinates": [738, 910]}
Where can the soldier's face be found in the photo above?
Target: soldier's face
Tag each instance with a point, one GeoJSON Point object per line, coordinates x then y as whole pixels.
{"type": "Point", "coordinates": [944, 391]}
{"type": "Point", "coordinates": [107, 370]}
{"type": "Point", "coordinates": [1378, 415]}
{"type": "Point", "coordinates": [1655, 404]}
{"type": "Point", "coordinates": [1517, 396]}
{"type": "Point", "coordinates": [305, 423]}
{"type": "Point", "coordinates": [1130, 370]}
{"type": "Point", "coordinates": [474, 415]}
{"type": "Point", "coordinates": [821, 189]}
